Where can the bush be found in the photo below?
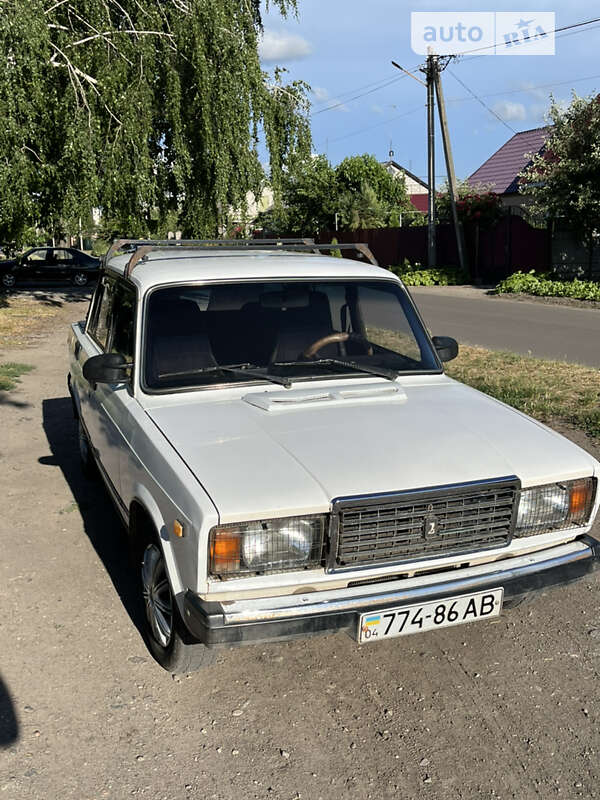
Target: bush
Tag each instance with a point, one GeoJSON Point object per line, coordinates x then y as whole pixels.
{"type": "Point", "coordinates": [415, 275]}
{"type": "Point", "coordinates": [542, 286]}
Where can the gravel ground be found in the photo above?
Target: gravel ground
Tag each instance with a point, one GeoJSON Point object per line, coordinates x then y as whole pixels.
{"type": "Point", "coordinates": [505, 709]}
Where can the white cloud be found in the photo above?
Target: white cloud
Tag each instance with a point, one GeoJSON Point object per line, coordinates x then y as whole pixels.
{"type": "Point", "coordinates": [322, 96]}
{"type": "Point", "coordinates": [510, 111]}
{"type": "Point", "coordinates": [282, 46]}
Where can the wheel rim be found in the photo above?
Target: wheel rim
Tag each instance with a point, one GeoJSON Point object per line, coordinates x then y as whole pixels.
{"type": "Point", "coordinates": [8, 280]}
{"type": "Point", "coordinates": [80, 279]}
{"type": "Point", "coordinates": [157, 595]}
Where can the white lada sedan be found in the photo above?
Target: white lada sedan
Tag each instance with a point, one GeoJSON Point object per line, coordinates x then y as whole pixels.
{"type": "Point", "coordinates": [277, 432]}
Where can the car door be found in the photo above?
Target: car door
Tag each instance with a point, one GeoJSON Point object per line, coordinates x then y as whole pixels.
{"type": "Point", "coordinates": [63, 263]}
{"type": "Point", "coordinates": [33, 265]}
{"type": "Point", "coordinates": [111, 326]}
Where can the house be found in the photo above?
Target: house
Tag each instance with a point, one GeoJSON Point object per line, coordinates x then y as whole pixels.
{"type": "Point", "coordinates": [417, 189]}
{"type": "Point", "coordinates": [500, 173]}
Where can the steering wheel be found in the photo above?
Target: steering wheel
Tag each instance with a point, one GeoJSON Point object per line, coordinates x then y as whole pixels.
{"type": "Point", "coordinates": [332, 338]}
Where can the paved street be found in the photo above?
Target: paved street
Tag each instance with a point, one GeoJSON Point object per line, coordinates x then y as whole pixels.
{"type": "Point", "coordinates": [547, 331]}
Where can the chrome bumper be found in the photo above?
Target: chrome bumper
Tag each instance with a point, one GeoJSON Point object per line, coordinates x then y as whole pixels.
{"type": "Point", "coordinates": [292, 616]}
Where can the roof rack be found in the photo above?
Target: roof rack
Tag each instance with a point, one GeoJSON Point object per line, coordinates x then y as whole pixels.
{"type": "Point", "coordinates": [119, 244]}
{"type": "Point", "coordinates": [146, 246]}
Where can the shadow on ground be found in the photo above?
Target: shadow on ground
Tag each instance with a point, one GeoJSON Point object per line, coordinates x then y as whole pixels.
{"type": "Point", "coordinates": [103, 526]}
{"type": "Point", "coordinates": [54, 295]}
{"type": "Point", "coordinates": [9, 725]}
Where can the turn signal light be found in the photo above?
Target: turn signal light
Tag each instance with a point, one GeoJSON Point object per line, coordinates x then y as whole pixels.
{"type": "Point", "coordinates": [580, 498]}
{"type": "Point", "coordinates": [225, 551]}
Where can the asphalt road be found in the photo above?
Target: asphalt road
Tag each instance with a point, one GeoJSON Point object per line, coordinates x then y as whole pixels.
{"type": "Point", "coordinates": [546, 331]}
{"type": "Point", "coordinates": [505, 710]}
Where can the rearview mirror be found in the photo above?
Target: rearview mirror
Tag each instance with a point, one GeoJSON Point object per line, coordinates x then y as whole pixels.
{"type": "Point", "coordinates": [446, 347]}
{"type": "Point", "coordinates": [107, 368]}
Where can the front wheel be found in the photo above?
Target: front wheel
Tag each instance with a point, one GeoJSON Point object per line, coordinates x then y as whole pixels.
{"type": "Point", "coordinates": [8, 280]}
{"type": "Point", "coordinates": [80, 279]}
{"type": "Point", "coordinates": [164, 627]}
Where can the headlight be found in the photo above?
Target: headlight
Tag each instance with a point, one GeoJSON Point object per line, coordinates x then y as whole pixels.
{"type": "Point", "coordinates": [555, 507]}
{"type": "Point", "coordinates": [271, 545]}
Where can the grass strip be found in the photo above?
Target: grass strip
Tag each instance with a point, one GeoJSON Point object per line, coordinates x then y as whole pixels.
{"type": "Point", "coordinates": [10, 374]}
{"type": "Point", "coordinates": [543, 389]}
{"type": "Point", "coordinates": [23, 320]}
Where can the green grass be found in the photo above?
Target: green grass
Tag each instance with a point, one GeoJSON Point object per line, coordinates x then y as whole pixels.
{"type": "Point", "coordinates": [10, 374]}
{"type": "Point", "coordinates": [543, 389]}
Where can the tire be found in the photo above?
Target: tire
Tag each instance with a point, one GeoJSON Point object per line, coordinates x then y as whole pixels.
{"type": "Point", "coordinates": [88, 465]}
{"type": "Point", "coordinates": [164, 629]}
{"type": "Point", "coordinates": [79, 279]}
{"type": "Point", "coordinates": [8, 280]}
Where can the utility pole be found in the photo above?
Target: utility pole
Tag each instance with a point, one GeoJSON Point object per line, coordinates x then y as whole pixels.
{"type": "Point", "coordinates": [460, 241]}
{"type": "Point", "coordinates": [430, 71]}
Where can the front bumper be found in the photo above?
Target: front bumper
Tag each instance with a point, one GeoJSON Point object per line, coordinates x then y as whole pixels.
{"type": "Point", "coordinates": [300, 615]}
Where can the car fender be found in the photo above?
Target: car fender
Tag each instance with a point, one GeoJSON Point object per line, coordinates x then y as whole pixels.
{"type": "Point", "coordinates": [144, 498]}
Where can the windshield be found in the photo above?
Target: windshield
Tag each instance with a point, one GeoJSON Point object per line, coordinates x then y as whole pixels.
{"type": "Point", "coordinates": [228, 333]}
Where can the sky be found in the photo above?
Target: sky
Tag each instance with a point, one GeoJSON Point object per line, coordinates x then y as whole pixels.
{"type": "Point", "coordinates": [344, 48]}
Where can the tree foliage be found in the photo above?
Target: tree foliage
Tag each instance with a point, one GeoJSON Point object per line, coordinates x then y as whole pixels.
{"type": "Point", "coordinates": [359, 190]}
{"type": "Point", "coordinates": [143, 108]}
{"type": "Point", "coordinates": [564, 180]}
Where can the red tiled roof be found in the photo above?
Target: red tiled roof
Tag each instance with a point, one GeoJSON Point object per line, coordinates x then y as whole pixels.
{"type": "Point", "coordinates": [419, 201]}
{"type": "Point", "coordinates": [501, 170]}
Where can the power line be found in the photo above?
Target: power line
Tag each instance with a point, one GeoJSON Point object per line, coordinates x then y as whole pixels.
{"type": "Point", "coordinates": [340, 95]}
{"type": "Point", "coordinates": [491, 110]}
{"type": "Point", "coordinates": [395, 79]}
{"type": "Point", "coordinates": [527, 89]}
{"type": "Point", "coordinates": [534, 36]}
{"type": "Point", "coordinates": [377, 124]}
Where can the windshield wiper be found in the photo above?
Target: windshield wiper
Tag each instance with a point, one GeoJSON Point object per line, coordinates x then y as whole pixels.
{"type": "Point", "coordinates": [246, 370]}
{"type": "Point", "coordinates": [381, 372]}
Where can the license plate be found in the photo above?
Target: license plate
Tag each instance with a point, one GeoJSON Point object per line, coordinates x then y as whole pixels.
{"type": "Point", "coordinates": [445, 613]}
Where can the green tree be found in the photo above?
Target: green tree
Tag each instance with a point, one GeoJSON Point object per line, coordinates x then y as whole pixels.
{"type": "Point", "coordinates": [361, 208]}
{"type": "Point", "coordinates": [309, 196]}
{"type": "Point", "coordinates": [355, 173]}
{"type": "Point", "coordinates": [564, 180]}
{"type": "Point", "coordinates": [359, 190]}
{"type": "Point", "coordinates": [139, 107]}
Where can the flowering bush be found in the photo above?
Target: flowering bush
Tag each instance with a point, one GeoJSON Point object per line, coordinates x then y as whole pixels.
{"type": "Point", "coordinates": [482, 207]}
{"type": "Point", "coordinates": [542, 286]}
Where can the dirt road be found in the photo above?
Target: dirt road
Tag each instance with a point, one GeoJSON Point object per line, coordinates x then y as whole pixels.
{"type": "Point", "coordinates": [501, 710]}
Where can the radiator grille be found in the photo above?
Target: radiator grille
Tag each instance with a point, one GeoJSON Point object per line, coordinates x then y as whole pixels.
{"type": "Point", "coordinates": [408, 526]}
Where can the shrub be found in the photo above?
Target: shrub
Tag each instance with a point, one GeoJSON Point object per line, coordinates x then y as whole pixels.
{"type": "Point", "coordinates": [542, 286]}
{"type": "Point", "coordinates": [415, 275]}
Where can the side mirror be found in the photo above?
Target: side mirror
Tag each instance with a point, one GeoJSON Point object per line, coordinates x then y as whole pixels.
{"type": "Point", "coordinates": [107, 368]}
{"type": "Point", "coordinates": [446, 346]}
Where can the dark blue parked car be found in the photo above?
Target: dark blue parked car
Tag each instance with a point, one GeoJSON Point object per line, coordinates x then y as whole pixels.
{"type": "Point", "coordinates": [43, 264]}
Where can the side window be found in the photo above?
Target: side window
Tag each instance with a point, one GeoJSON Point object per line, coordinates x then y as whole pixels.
{"type": "Point", "coordinates": [112, 318]}
{"type": "Point", "coordinates": [63, 256]}
{"type": "Point", "coordinates": [37, 255]}
{"type": "Point", "coordinates": [123, 317]}
{"type": "Point", "coordinates": [99, 323]}
{"type": "Point", "coordinates": [386, 325]}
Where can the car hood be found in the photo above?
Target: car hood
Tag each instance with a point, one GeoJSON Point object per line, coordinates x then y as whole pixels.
{"type": "Point", "coordinates": [8, 263]}
{"type": "Point", "coordinates": [275, 453]}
